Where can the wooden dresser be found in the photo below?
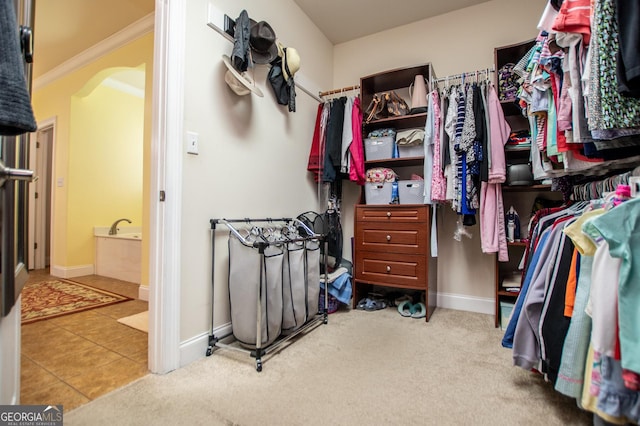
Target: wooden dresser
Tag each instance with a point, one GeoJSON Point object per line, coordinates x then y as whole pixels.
{"type": "Point", "coordinates": [392, 249]}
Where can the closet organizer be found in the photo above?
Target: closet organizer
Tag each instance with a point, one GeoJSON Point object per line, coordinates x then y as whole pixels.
{"type": "Point", "coordinates": [392, 241]}
{"type": "Point", "coordinates": [274, 284]}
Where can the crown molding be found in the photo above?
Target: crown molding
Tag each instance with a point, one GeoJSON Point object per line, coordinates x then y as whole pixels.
{"type": "Point", "coordinates": [124, 36]}
{"type": "Point", "coordinates": [123, 87]}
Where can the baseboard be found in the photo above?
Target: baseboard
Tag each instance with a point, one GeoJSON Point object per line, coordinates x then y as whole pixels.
{"type": "Point", "coordinates": [71, 272]}
{"type": "Point", "coordinates": [196, 347]}
{"type": "Point", "coordinates": [143, 293]}
{"type": "Point", "coordinates": [482, 305]}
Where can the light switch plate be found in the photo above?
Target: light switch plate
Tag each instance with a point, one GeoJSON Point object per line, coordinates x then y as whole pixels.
{"type": "Point", "coordinates": [192, 143]}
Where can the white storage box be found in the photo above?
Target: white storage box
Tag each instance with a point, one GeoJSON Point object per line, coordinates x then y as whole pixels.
{"type": "Point", "coordinates": [378, 148]}
{"type": "Point", "coordinates": [411, 191]}
{"type": "Point", "coordinates": [405, 151]}
{"type": "Point", "coordinates": [378, 193]}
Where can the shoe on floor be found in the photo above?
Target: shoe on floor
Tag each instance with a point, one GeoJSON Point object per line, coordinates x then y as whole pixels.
{"type": "Point", "coordinates": [375, 305]}
{"type": "Point", "coordinates": [419, 310]}
{"type": "Point", "coordinates": [362, 304]}
{"type": "Point", "coordinates": [405, 308]}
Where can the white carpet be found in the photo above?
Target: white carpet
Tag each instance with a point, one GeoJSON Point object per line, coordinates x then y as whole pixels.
{"type": "Point", "coordinates": [138, 321]}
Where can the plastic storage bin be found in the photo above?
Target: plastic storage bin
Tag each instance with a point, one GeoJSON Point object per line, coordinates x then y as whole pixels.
{"type": "Point", "coordinates": [411, 191]}
{"type": "Point", "coordinates": [379, 148]}
{"type": "Point", "coordinates": [505, 314]}
{"type": "Point", "coordinates": [410, 151]}
{"type": "Point", "coordinates": [378, 193]}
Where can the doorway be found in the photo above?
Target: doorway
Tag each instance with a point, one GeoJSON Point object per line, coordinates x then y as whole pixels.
{"type": "Point", "coordinates": [97, 352]}
{"type": "Point", "coordinates": [41, 153]}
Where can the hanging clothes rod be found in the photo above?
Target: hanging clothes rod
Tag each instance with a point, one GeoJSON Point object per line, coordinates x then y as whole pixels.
{"type": "Point", "coordinates": [249, 220]}
{"type": "Point", "coordinates": [228, 223]}
{"type": "Point", "coordinates": [476, 73]}
{"type": "Point", "coordinates": [344, 89]}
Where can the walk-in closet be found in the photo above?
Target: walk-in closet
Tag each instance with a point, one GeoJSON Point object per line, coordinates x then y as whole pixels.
{"type": "Point", "coordinates": [355, 212]}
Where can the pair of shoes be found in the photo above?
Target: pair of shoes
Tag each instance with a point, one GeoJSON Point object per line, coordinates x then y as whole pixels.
{"type": "Point", "coordinates": [375, 305]}
{"type": "Point", "coordinates": [362, 303]}
{"type": "Point", "coordinates": [371, 304]}
{"type": "Point", "coordinates": [413, 310]}
{"type": "Point", "coordinates": [403, 298]}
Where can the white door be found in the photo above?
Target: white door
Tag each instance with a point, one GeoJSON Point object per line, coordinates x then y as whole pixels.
{"type": "Point", "coordinates": [14, 152]}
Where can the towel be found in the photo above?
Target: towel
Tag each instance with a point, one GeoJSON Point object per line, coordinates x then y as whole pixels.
{"type": "Point", "coordinates": [339, 287]}
{"type": "Point", "coordinates": [16, 114]}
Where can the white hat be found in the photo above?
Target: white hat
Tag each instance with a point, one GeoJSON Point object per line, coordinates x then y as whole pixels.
{"type": "Point", "coordinates": [240, 83]}
{"type": "Point", "coordinates": [290, 60]}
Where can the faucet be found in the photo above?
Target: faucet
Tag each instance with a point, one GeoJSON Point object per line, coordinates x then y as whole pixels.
{"type": "Point", "coordinates": [114, 228]}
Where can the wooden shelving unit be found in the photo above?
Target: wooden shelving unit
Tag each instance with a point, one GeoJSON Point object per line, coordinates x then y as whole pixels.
{"type": "Point", "coordinates": [392, 241]}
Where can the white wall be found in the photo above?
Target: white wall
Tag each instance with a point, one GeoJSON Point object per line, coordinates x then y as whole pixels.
{"type": "Point", "coordinates": [456, 42]}
{"type": "Point", "coordinates": [253, 152]}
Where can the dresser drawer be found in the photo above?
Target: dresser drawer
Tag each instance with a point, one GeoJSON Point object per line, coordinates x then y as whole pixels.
{"type": "Point", "coordinates": [393, 213]}
{"type": "Point", "coordinates": [392, 238]}
{"type": "Point", "coordinates": [398, 270]}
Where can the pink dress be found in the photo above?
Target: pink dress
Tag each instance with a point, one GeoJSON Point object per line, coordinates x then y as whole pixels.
{"type": "Point", "coordinates": [438, 181]}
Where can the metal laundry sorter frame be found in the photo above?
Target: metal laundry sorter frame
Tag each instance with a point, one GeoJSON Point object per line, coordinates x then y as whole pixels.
{"type": "Point", "coordinates": [322, 315]}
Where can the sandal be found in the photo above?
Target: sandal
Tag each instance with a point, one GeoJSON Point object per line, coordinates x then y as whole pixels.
{"type": "Point", "coordinates": [363, 303]}
{"type": "Point", "coordinates": [404, 298]}
{"type": "Point", "coordinates": [405, 308]}
{"type": "Point", "coordinates": [375, 305]}
{"type": "Point", "coordinates": [419, 310]}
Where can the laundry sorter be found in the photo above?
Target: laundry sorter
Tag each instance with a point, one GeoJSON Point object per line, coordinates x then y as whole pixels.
{"type": "Point", "coordinates": [273, 282]}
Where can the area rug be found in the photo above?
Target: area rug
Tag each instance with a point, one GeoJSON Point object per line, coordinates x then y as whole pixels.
{"type": "Point", "coordinates": [138, 321]}
{"type": "Point", "coordinates": [49, 299]}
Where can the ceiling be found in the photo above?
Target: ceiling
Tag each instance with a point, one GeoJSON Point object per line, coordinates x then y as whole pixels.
{"type": "Point", "coordinates": [65, 28]}
{"type": "Point", "coordinates": [344, 20]}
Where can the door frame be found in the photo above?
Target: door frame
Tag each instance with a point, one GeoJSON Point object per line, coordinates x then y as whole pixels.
{"type": "Point", "coordinates": [166, 183]}
{"type": "Point", "coordinates": [37, 209]}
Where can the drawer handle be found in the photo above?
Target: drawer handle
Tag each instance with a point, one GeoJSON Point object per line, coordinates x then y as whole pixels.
{"type": "Point", "coordinates": [388, 268]}
{"type": "Point", "coordinates": [388, 237]}
{"type": "Point", "coordinates": [388, 214]}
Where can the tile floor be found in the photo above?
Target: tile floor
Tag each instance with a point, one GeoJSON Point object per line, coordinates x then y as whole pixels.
{"type": "Point", "coordinates": [73, 359]}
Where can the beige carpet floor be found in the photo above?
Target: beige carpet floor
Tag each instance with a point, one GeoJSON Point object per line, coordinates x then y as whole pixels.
{"type": "Point", "coordinates": [363, 368]}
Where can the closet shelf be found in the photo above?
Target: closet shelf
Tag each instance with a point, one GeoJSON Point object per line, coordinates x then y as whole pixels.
{"type": "Point", "coordinates": [517, 149]}
{"type": "Point", "coordinates": [529, 188]}
{"type": "Point", "coordinates": [508, 293]}
{"type": "Point", "coordinates": [397, 162]}
{"type": "Point", "coordinates": [517, 243]}
{"type": "Point", "coordinates": [402, 122]}
{"type": "Point", "coordinates": [510, 107]}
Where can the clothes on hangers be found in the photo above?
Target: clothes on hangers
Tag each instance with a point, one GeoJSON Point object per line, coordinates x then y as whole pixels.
{"type": "Point", "coordinates": [465, 153]}
{"type": "Point", "coordinates": [336, 148]}
{"type": "Point", "coordinates": [580, 122]}
{"type": "Point", "coordinates": [576, 318]}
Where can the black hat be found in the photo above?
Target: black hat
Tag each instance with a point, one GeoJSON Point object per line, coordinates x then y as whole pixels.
{"type": "Point", "coordinates": [262, 40]}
